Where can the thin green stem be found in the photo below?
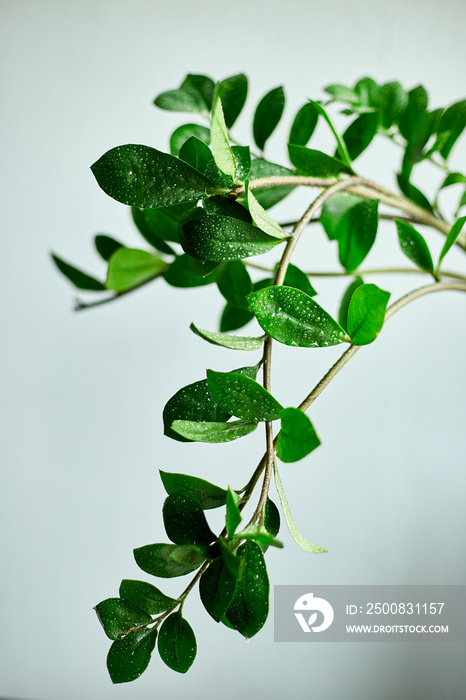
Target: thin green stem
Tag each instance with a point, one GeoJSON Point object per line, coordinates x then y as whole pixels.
{"type": "Point", "coordinates": [80, 305]}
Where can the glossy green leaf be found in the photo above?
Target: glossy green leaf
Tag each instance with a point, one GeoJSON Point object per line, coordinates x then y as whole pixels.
{"type": "Point", "coordinates": [233, 92]}
{"type": "Point", "coordinates": [312, 163]}
{"type": "Point", "coordinates": [129, 657]}
{"type": "Point", "coordinates": [412, 192]}
{"type": "Point", "coordinates": [233, 342]}
{"type": "Point", "coordinates": [141, 176]}
{"type": "Point", "coordinates": [221, 149]}
{"type": "Point", "coordinates": [184, 520]}
{"type": "Point", "coordinates": [223, 238]}
{"type": "Point", "coordinates": [413, 113]}
{"type": "Point", "coordinates": [160, 224]}
{"type": "Point", "coordinates": [250, 604]}
{"type": "Point", "coordinates": [142, 221]}
{"type": "Point", "coordinates": [294, 532]}
{"type": "Point", "coordinates": [234, 283]}
{"type": "Point", "coordinates": [233, 513]}
{"type": "Point", "coordinates": [271, 518]}
{"type": "Point", "coordinates": [344, 305]}
{"type": "Point", "coordinates": [169, 560]}
{"type": "Point", "coordinates": [452, 125]}
{"type": "Point", "coordinates": [451, 238]}
{"type": "Point", "coordinates": [234, 317]}
{"type": "Point", "coordinates": [233, 562]}
{"type": "Point", "coordinates": [207, 494]}
{"type": "Point", "coordinates": [224, 206]}
{"type": "Point", "coordinates": [357, 231]}
{"type": "Point", "coordinates": [129, 267]}
{"type": "Point", "coordinates": [297, 437]}
{"type": "Point", "coordinates": [196, 153]}
{"type": "Point", "coordinates": [267, 115]}
{"type": "Point", "coordinates": [360, 133]}
{"type": "Point", "coordinates": [216, 588]}
{"type": "Point", "coordinates": [262, 219]}
{"type": "Point", "coordinates": [414, 246]}
{"type": "Point", "coordinates": [192, 403]}
{"type": "Point", "coordinates": [294, 318]}
{"type": "Point", "coordinates": [303, 125]}
{"type": "Point", "coordinates": [296, 278]}
{"type": "Point", "coordinates": [180, 273]}
{"type": "Point", "coordinates": [118, 616]}
{"type": "Point", "coordinates": [243, 162]}
{"type": "Point", "coordinates": [242, 396]}
{"type": "Point", "coordinates": [268, 196]}
{"type": "Point", "coordinates": [106, 246]}
{"type": "Point", "coordinates": [177, 643]}
{"type": "Point", "coordinates": [184, 132]}
{"type": "Point", "coordinates": [80, 279]}
{"type": "Point", "coordinates": [194, 95]}
{"type": "Point", "coordinates": [334, 209]}
{"type": "Point", "coordinates": [213, 432]}
{"type": "Point", "coordinates": [145, 596]}
{"type": "Point", "coordinates": [341, 146]}
{"type": "Point", "coordinates": [391, 103]}
{"type": "Point", "coordinates": [366, 313]}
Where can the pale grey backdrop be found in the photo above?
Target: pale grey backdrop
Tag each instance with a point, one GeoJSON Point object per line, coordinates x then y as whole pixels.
{"type": "Point", "coordinates": [82, 394]}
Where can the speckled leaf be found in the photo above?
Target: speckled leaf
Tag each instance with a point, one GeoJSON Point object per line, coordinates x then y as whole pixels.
{"type": "Point", "coordinates": [414, 246]}
{"type": "Point", "coordinates": [145, 596]}
{"type": "Point", "coordinates": [169, 560]}
{"type": "Point", "coordinates": [233, 342]}
{"type": "Point", "coordinates": [243, 162]}
{"type": "Point", "coordinates": [208, 495]}
{"type": "Point", "coordinates": [366, 313]}
{"type": "Point", "coordinates": [297, 437]}
{"type": "Point", "coordinates": [267, 115]}
{"type": "Point", "coordinates": [184, 520]}
{"type": "Point", "coordinates": [250, 604]}
{"type": "Point", "coordinates": [224, 206]}
{"type": "Point", "coordinates": [310, 162]}
{"type": "Point", "coordinates": [118, 616]}
{"type": "Point", "coordinates": [177, 643]}
{"type": "Point", "coordinates": [213, 432]}
{"type": "Point", "coordinates": [129, 657]}
{"type": "Point", "coordinates": [304, 125]}
{"type": "Point", "coordinates": [129, 267]}
{"type": "Point", "coordinates": [262, 219]}
{"type": "Point", "coordinates": [242, 396]}
{"type": "Point", "coordinates": [221, 149]}
{"type": "Point", "coordinates": [184, 132]}
{"type": "Point", "coordinates": [451, 238]}
{"type": "Point", "coordinates": [224, 238]}
{"type": "Point", "coordinates": [141, 176]}
{"type": "Point", "coordinates": [80, 279]}
{"type": "Point", "coordinates": [106, 246]}
{"type": "Point", "coordinates": [294, 318]}
{"type": "Point", "coordinates": [216, 588]}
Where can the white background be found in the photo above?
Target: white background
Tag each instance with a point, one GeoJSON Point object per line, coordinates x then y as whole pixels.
{"type": "Point", "coordinates": [82, 394]}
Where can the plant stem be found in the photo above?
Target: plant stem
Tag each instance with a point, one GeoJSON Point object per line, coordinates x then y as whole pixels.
{"type": "Point", "coordinates": [80, 305]}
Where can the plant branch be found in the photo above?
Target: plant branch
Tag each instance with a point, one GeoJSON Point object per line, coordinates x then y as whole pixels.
{"type": "Point", "coordinates": [81, 305]}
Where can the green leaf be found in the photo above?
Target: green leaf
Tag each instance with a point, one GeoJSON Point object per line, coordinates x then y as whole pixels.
{"type": "Point", "coordinates": [213, 432]}
{"type": "Point", "coordinates": [233, 562]}
{"type": "Point", "coordinates": [234, 317]}
{"type": "Point", "coordinates": [106, 246]}
{"type": "Point", "coordinates": [303, 125]}
{"type": "Point", "coordinates": [267, 115]}
{"type": "Point", "coordinates": [271, 518]}
{"type": "Point", "coordinates": [142, 222]}
{"type": "Point", "coordinates": [184, 520]}
{"type": "Point", "coordinates": [233, 513]}
{"type": "Point", "coordinates": [208, 495]}
{"type": "Point", "coordinates": [334, 209]}
{"type": "Point", "coordinates": [184, 132]}
{"type": "Point", "coordinates": [233, 342]}
{"type": "Point", "coordinates": [180, 273]}
{"type": "Point", "coordinates": [391, 103]}
{"type": "Point", "coordinates": [414, 246]}
{"type": "Point", "coordinates": [160, 224]}
{"type": "Point", "coordinates": [177, 643]}
{"type": "Point", "coordinates": [268, 196]}
{"type": "Point", "coordinates": [118, 616]}
{"type": "Point", "coordinates": [250, 604]}
{"type": "Point", "coordinates": [242, 396]}
{"type": "Point", "coordinates": [243, 162]}
{"type": "Point", "coordinates": [296, 278]}
{"type": "Point", "coordinates": [452, 125]}
{"type": "Point", "coordinates": [360, 133]}
{"type": "Point", "coordinates": [169, 560]}
{"type": "Point", "coordinates": [221, 149]}
{"type": "Point", "coordinates": [80, 279]}
{"type": "Point", "coordinates": [141, 176]}
{"type": "Point", "coordinates": [313, 163]}
{"type": "Point", "coordinates": [192, 403]}
{"type": "Point", "coordinates": [344, 305]}
{"type": "Point", "coordinates": [195, 153]}
{"type": "Point", "coordinates": [223, 238]}
{"type": "Point", "coordinates": [297, 437]}
{"type": "Point", "coordinates": [413, 114]}
{"type": "Point", "coordinates": [451, 238]}
{"type": "Point", "coordinates": [129, 657]}
{"type": "Point", "coordinates": [453, 179]}
{"type": "Point", "coordinates": [412, 192]}
{"type": "Point", "coordinates": [366, 313]}
{"type": "Point", "coordinates": [216, 588]}
{"type": "Point", "coordinates": [341, 93]}
{"type": "Point", "coordinates": [194, 95]}
{"type": "Point", "coordinates": [262, 219]}
{"type": "Point", "coordinates": [145, 596]}
{"type": "Point", "coordinates": [294, 532]}
{"type": "Point", "coordinates": [357, 231]}
{"type": "Point", "coordinates": [224, 206]}
{"type": "Point", "coordinates": [129, 267]}
{"type": "Point", "coordinates": [341, 146]}
{"type": "Point", "coordinates": [294, 318]}
{"type": "Point", "coordinates": [260, 536]}
{"type": "Point", "coordinates": [234, 283]}
{"type": "Point", "coordinates": [233, 92]}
